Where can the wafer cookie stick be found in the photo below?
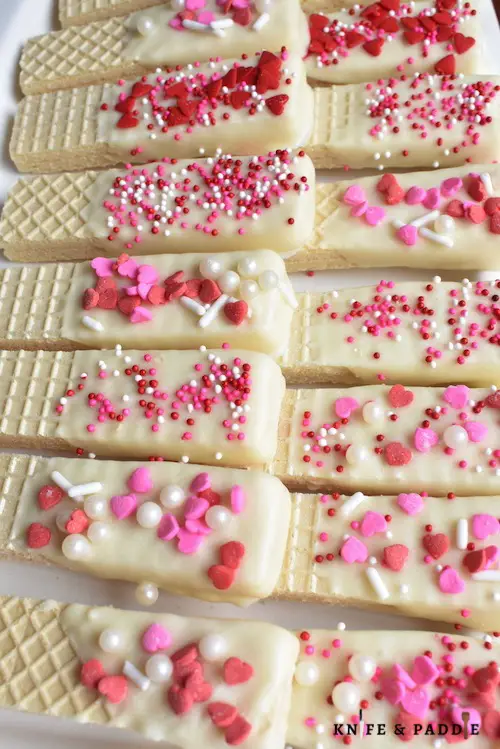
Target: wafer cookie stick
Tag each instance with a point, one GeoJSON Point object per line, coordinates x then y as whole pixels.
{"type": "Point", "coordinates": [191, 112]}
{"type": "Point", "coordinates": [375, 688]}
{"type": "Point", "coordinates": [139, 43]}
{"type": "Point", "coordinates": [161, 675]}
{"type": "Point", "coordinates": [207, 204]}
{"type": "Point", "coordinates": [211, 407]}
{"type": "Point", "coordinates": [383, 439]}
{"type": "Point", "coordinates": [216, 534]}
{"type": "Point", "coordinates": [365, 43]}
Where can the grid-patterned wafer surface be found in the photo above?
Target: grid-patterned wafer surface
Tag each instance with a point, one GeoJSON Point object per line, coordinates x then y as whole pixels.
{"type": "Point", "coordinates": [39, 669]}
{"type": "Point", "coordinates": [297, 580]}
{"type": "Point", "coordinates": [334, 119]}
{"type": "Point", "coordinates": [77, 12]}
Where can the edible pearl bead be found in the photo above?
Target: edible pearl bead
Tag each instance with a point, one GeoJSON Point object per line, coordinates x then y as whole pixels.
{"type": "Point", "coordinates": [210, 267]}
{"type": "Point", "coordinates": [306, 674]}
{"type": "Point", "coordinates": [178, 4]}
{"type": "Point", "coordinates": [146, 594]}
{"type": "Point", "coordinates": [111, 640]}
{"type": "Point", "coordinates": [95, 507]}
{"type": "Point", "coordinates": [149, 515]}
{"type": "Point", "coordinates": [76, 547]}
{"type": "Point", "coordinates": [249, 290]}
{"type": "Point", "coordinates": [217, 517]}
{"type": "Point", "coordinates": [444, 224]}
{"type": "Point", "coordinates": [346, 697]}
{"type": "Point", "coordinates": [247, 267]}
{"type": "Point", "coordinates": [213, 647]}
{"type": "Point", "coordinates": [455, 436]}
{"type": "Point", "coordinates": [228, 281]}
{"type": "Point", "coordinates": [356, 454]}
{"type": "Point", "coordinates": [61, 520]}
{"type": "Point", "coordinates": [145, 25]}
{"type": "Point", "coordinates": [268, 280]}
{"type": "Point", "coordinates": [362, 667]}
{"type": "Point", "coordinates": [172, 496]}
{"type": "Point", "coordinates": [372, 412]}
{"type": "Point", "coordinates": [98, 532]}
{"type": "Point", "coordinates": [159, 668]}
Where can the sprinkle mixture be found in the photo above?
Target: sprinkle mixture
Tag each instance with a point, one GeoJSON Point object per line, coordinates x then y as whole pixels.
{"type": "Point", "coordinates": [196, 16]}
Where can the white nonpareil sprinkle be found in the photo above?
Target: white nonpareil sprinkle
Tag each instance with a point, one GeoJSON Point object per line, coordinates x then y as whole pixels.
{"type": "Point", "coordinates": [133, 673]}
{"type": "Point", "coordinates": [92, 323]}
{"type": "Point", "coordinates": [377, 583]}
{"type": "Point", "coordinates": [83, 490]}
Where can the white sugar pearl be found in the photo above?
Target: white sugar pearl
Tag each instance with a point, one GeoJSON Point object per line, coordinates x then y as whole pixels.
{"type": "Point", "coordinates": [146, 594]}
{"type": "Point", "coordinates": [172, 496]}
{"type": "Point", "coordinates": [346, 697]}
{"type": "Point", "coordinates": [98, 532]}
{"type": "Point", "coordinates": [111, 640]}
{"type": "Point", "coordinates": [372, 412]}
{"type": "Point", "coordinates": [145, 25]}
{"type": "Point", "coordinates": [247, 267]}
{"type": "Point", "coordinates": [217, 517]}
{"type": "Point", "coordinates": [268, 280]}
{"type": "Point", "coordinates": [95, 507]}
{"type": "Point", "coordinates": [228, 281]}
{"type": "Point", "coordinates": [249, 290]}
{"type": "Point", "coordinates": [178, 4]}
{"type": "Point", "coordinates": [362, 667]}
{"type": "Point", "coordinates": [444, 224]}
{"type": "Point", "coordinates": [210, 267]}
{"type": "Point", "coordinates": [213, 647]}
{"type": "Point", "coordinates": [356, 454]}
{"type": "Point", "coordinates": [149, 515]}
{"type": "Point", "coordinates": [61, 520]}
{"type": "Point", "coordinates": [159, 668]}
{"type": "Point", "coordinates": [455, 437]}
{"type": "Point", "coordinates": [76, 547]}
{"type": "Point", "coordinates": [306, 674]}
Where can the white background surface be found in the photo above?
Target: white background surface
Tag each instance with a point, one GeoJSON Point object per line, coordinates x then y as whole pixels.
{"type": "Point", "coordinates": [21, 19]}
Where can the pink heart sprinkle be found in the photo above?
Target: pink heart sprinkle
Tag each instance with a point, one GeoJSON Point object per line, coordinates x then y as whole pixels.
{"type": "Point", "coordinates": [354, 550]}
{"type": "Point", "coordinates": [143, 289]}
{"type": "Point", "coordinates": [140, 480]}
{"type": "Point", "coordinates": [425, 439]}
{"type": "Point", "coordinates": [131, 290]}
{"type": "Point", "coordinates": [359, 209]}
{"type": "Point", "coordinates": [168, 527]}
{"type": "Point", "coordinates": [451, 186]}
{"type": "Point", "coordinates": [147, 274]}
{"type": "Point", "coordinates": [200, 482]}
{"type": "Point", "coordinates": [206, 17]}
{"type": "Point", "coordinates": [140, 314]}
{"type": "Point", "coordinates": [412, 504]}
{"type": "Point", "coordinates": [176, 23]}
{"type": "Point", "coordinates": [456, 396]}
{"type": "Point", "coordinates": [374, 215]}
{"type": "Point", "coordinates": [155, 638]}
{"type": "Point", "coordinates": [416, 702]}
{"type": "Point", "coordinates": [408, 234]}
{"type": "Point", "coordinates": [432, 199]}
{"type": "Point", "coordinates": [484, 525]}
{"type": "Point", "coordinates": [128, 269]}
{"type": "Point", "coordinates": [474, 718]}
{"type": "Point", "coordinates": [195, 4]}
{"type": "Point", "coordinates": [240, 3]}
{"type": "Point", "coordinates": [424, 670]}
{"type": "Point", "coordinates": [237, 499]}
{"type": "Point", "coordinates": [450, 582]}
{"type": "Point", "coordinates": [403, 676]}
{"type": "Point", "coordinates": [492, 554]}
{"type": "Point", "coordinates": [373, 522]}
{"type": "Point", "coordinates": [103, 266]}
{"type": "Point", "coordinates": [345, 406]}
{"type": "Point", "coordinates": [415, 195]}
{"type": "Point", "coordinates": [189, 543]}
{"type": "Point", "coordinates": [198, 527]}
{"type": "Point", "coordinates": [392, 690]}
{"type": "Point", "coordinates": [476, 430]}
{"type": "Point", "coordinates": [195, 508]}
{"type": "Point", "coordinates": [123, 505]}
{"type": "Point", "coordinates": [354, 195]}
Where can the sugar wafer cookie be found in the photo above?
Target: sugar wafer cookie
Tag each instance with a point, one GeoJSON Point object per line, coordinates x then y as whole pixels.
{"type": "Point", "coordinates": [162, 36]}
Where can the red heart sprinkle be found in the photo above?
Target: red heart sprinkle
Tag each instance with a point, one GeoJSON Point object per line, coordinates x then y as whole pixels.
{"type": "Point", "coordinates": [238, 99]}
{"type": "Point", "coordinates": [236, 671]}
{"type": "Point", "coordinates": [242, 16]}
{"type": "Point", "coordinates": [127, 304]}
{"type": "Point", "coordinates": [236, 312]}
{"type": "Point", "coordinates": [187, 654]}
{"type": "Point", "coordinates": [395, 556]}
{"type": "Point", "coordinates": [126, 122]}
{"type": "Point", "coordinates": [174, 290]}
{"type": "Point", "coordinates": [428, 23]}
{"type": "Point", "coordinates": [78, 522]}
{"type": "Point", "coordinates": [442, 17]}
{"type": "Point", "coordinates": [213, 89]}
{"type": "Point", "coordinates": [482, 700]}
{"type": "Point", "coordinates": [436, 544]}
{"type": "Point", "coordinates": [475, 561]}
{"type": "Point", "coordinates": [400, 397]}
{"type": "Point", "coordinates": [104, 283]}
{"type": "Point", "coordinates": [444, 33]}
{"type": "Point", "coordinates": [446, 65]}
{"type": "Point", "coordinates": [238, 731]}
{"type": "Point", "coordinates": [177, 91]}
{"type": "Point", "coordinates": [495, 223]}
{"type": "Point", "coordinates": [277, 104]}
{"type": "Point", "coordinates": [493, 400]}
{"type": "Point", "coordinates": [49, 496]}
{"type": "Point", "coordinates": [477, 189]}
{"type": "Point", "coordinates": [485, 679]}
{"type": "Point", "coordinates": [414, 37]}
{"type": "Point", "coordinates": [397, 454]}
{"type": "Point", "coordinates": [175, 277]}
{"type": "Point", "coordinates": [389, 25]}
{"type": "Point", "coordinates": [141, 89]}
{"type": "Point", "coordinates": [188, 108]}
{"type": "Point", "coordinates": [108, 299]}
{"type": "Point", "coordinates": [38, 536]}
{"type": "Point", "coordinates": [463, 43]}
{"type": "Point", "coordinates": [209, 291]}
{"type": "Point", "coordinates": [230, 79]}
{"type": "Point", "coordinates": [127, 105]}
{"type": "Point", "coordinates": [213, 498]}
{"type": "Point", "coordinates": [200, 690]}
{"type": "Point", "coordinates": [374, 47]}
{"type": "Point", "coordinates": [476, 214]}
{"type": "Point", "coordinates": [90, 299]}
{"type": "Point", "coordinates": [455, 208]}
{"type": "Point", "coordinates": [491, 206]}
{"type": "Point", "coordinates": [491, 724]}
{"type": "Point", "coordinates": [180, 700]}
{"type": "Point", "coordinates": [115, 688]}
{"type": "Point", "coordinates": [353, 39]}
{"type": "Point", "coordinates": [395, 194]}
{"type": "Point", "coordinates": [231, 554]}
{"type": "Point", "coordinates": [221, 576]}
{"type": "Point", "coordinates": [390, 4]}
{"type": "Point", "coordinates": [386, 182]}
{"type": "Point", "coordinates": [409, 23]}
{"type": "Point", "coordinates": [91, 674]}
{"type": "Point", "coordinates": [222, 714]}
{"type": "Point", "coordinates": [193, 288]}
{"type": "Point", "coordinates": [183, 671]}
{"type": "Point", "coordinates": [156, 295]}
{"type": "Point", "coordinates": [318, 21]}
